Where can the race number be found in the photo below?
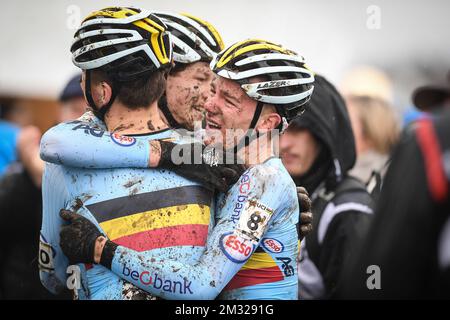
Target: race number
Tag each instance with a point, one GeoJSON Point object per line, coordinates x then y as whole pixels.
{"type": "Point", "coordinates": [253, 221]}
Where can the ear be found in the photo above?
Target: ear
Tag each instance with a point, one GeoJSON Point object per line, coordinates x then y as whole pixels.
{"type": "Point", "coordinates": [268, 121]}
{"type": "Point", "coordinates": [106, 93]}
{"type": "Point", "coordinates": [101, 93]}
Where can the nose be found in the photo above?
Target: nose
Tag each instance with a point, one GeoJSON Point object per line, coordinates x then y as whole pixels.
{"type": "Point", "coordinates": [204, 94]}
{"type": "Point", "coordinates": [210, 104]}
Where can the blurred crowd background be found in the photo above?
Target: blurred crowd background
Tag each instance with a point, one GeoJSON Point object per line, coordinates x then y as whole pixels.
{"type": "Point", "coordinates": [401, 44]}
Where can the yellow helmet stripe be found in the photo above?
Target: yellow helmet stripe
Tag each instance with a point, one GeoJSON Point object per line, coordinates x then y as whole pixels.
{"type": "Point", "coordinates": [156, 31]}
{"type": "Point", "coordinates": [154, 24]}
{"type": "Point", "coordinates": [147, 24]}
{"type": "Point", "coordinates": [225, 59]}
{"type": "Point", "coordinates": [112, 14]}
{"type": "Point", "coordinates": [159, 51]}
{"type": "Point", "coordinates": [234, 46]}
{"type": "Point", "coordinates": [210, 27]}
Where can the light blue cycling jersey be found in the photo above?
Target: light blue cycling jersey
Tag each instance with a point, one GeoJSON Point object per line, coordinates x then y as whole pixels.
{"type": "Point", "coordinates": [121, 202]}
{"type": "Point", "coordinates": [251, 253]}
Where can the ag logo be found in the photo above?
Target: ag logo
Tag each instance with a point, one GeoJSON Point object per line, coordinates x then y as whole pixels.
{"type": "Point", "coordinates": [123, 141]}
{"type": "Point", "coordinates": [45, 261]}
{"type": "Point", "coordinates": [236, 248]}
{"type": "Point", "coordinates": [287, 268]}
{"type": "Point", "coordinates": [272, 245]}
{"type": "Point", "coordinates": [96, 132]}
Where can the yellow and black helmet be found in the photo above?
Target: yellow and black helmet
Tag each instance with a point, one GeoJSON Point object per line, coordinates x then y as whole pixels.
{"type": "Point", "coordinates": [124, 42]}
{"type": "Point", "coordinates": [194, 39]}
{"type": "Point", "coordinates": [285, 81]}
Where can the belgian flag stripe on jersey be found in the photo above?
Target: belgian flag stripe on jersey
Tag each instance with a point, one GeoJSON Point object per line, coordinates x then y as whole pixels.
{"type": "Point", "coordinates": [171, 217]}
{"type": "Point", "coordinates": [260, 268]}
{"type": "Point", "coordinates": [156, 219]}
{"type": "Point", "coordinates": [125, 206]}
{"type": "Point", "coordinates": [191, 234]}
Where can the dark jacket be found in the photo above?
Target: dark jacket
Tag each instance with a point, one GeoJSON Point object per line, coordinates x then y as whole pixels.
{"type": "Point", "coordinates": [341, 205]}
{"type": "Point", "coordinates": [20, 221]}
{"type": "Point", "coordinates": [409, 240]}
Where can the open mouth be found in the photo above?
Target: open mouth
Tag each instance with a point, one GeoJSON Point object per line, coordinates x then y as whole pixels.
{"type": "Point", "coordinates": [212, 125]}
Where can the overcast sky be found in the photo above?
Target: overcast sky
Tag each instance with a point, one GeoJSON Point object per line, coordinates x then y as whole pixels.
{"type": "Point", "coordinates": [413, 39]}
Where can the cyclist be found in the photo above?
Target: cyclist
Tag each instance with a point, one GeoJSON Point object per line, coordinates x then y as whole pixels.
{"type": "Point", "coordinates": [254, 243]}
{"type": "Point", "coordinates": [125, 54]}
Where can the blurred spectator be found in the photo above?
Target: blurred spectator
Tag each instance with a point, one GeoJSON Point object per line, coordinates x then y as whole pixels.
{"type": "Point", "coordinates": [412, 115]}
{"type": "Point", "coordinates": [409, 240]}
{"type": "Point", "coordinates": [367, 81]}
{"type": "Point", "coordinates": [14, 112]}
{"type": "Point", "coordinates": [8, 139]}
{"type": "Point", "coordinates": [72, 106]}
{"type": "Point", "coordinates": [376, 129]}
{"type": "Point", "coordinates": [432, 98]}
{"type": "Point", "coordinates": [21, 208]}
{"type": "Point", "coordinates": [369, 97]}
{"type": "Point", "coordinates": [72, 100]}
{"type": "Point", "coordinates": [318, 149]}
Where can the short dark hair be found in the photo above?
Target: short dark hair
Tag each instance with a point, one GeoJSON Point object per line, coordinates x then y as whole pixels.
{"type": "Point", "coordinates": [141, 92]}
{"type": "Point", "coordinates": [177, 68]}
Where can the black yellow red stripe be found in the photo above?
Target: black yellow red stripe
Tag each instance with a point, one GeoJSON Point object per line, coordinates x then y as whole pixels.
{"type": "Point", "coordinates": [181, 235]}
{"type": "Point", "coordinates": [142, 202]}
{"type": "Point", "coordinates": [259, 269]}
{"type": "Point", "coordinates": [170, 217]}
{"type": "Point", "coordinates": [156, 219]}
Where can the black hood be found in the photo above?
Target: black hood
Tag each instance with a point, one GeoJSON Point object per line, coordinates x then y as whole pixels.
{"type": "Point", "coordinates": [326, 117]}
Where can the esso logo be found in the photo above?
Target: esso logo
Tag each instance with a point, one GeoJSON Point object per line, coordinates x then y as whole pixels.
{"type": "Point", "coordinates": [236, 248]}
{"type": "Point", "coordinates": [273, 245]}
{"type": "Point", "coordinates": [124, 141]}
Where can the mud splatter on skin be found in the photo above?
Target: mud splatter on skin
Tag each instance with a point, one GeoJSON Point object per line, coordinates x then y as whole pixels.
{"type": "Point", "coordinates": [123, 127]}
{"type": "Point", "coordinates": [188, 91]}
{"type": "Point", "coordinates": [155, 148]}
{"type": "Point", "coordinates": [150, 125]}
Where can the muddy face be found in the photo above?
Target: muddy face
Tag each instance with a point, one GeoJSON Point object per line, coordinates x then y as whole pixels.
{"type": "Point", "coordinates": [187, 92]}
{"type": "Point", "coordinates": [228, 107]}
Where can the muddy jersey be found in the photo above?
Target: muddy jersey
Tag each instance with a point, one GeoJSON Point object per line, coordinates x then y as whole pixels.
{"type": "Point", "coordinates": [236, 265]}
{"type": "Point", "coordinates": [142, 209]}
{"type": "Point", "coordinates": [250, 254]}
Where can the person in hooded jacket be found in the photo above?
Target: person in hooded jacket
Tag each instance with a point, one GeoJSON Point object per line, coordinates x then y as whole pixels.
{"type": "Point", "coordinates": [318, 150]}
{"type": "Point", "coordinates": [406, 254]}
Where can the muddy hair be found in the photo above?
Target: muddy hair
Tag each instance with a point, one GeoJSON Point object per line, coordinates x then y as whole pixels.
{"type": "Point", "coordinates": [139, 93]}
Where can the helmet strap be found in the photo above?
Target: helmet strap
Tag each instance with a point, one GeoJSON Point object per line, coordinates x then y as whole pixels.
{"type": "Point", "coordinates": [162, 104]}
{"type": "Point", "coordinates": [258, 110]}
{"type": "Point", "coordinates": [247, 139]}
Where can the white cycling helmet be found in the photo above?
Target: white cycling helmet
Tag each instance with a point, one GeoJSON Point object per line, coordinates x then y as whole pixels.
{"type": "Point", "coordinates": [194, 39]}
{"type": "Point", "coordinates": [286, 82]}
{"type": "Point", "coordinates": [125, 42]}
